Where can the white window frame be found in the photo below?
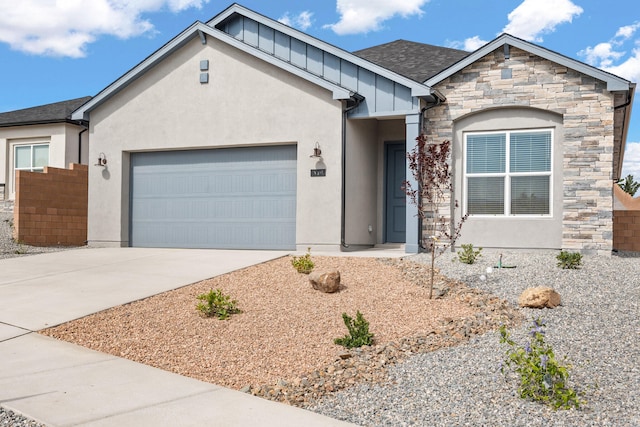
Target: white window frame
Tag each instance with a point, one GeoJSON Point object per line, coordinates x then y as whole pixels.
{"type": "Point", "coordinates": [14, 146]}
{"type": "Point", "coordinates": [507, 174]}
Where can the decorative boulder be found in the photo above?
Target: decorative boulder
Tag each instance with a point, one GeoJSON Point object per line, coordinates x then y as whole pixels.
{"type": "Point", "coordinates": [539, 297]}
{"type": "Point", "coordinates": [325, 281]}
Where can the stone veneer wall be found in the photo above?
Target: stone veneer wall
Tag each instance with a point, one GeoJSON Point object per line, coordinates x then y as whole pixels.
{"type": "Point", "coordinates": [587, 110]}
{"type": "Point", "coordinates": [51, 207]}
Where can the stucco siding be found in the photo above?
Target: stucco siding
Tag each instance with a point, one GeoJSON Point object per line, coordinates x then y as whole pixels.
{"type": "Point", "coordinates": [512, 232]}
{"type": "Point", "coordinates": [587, 112]}
{"type": "Point", "coordinates": [246, 102]}
{"type": "Point", "coordinates": [361, 182]}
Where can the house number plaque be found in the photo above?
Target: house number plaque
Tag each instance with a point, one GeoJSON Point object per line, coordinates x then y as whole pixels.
{"type": "Point", "coordinates": [318, 172]}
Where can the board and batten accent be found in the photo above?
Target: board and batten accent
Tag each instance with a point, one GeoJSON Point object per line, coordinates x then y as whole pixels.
{"type": "Point", "coordinates": [382, 96]}
{"type": "Point", "coordinates": [227, 198]}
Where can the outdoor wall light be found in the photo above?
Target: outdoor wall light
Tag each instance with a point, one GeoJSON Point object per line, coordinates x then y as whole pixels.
{"type": "Point", "coordinates": [102, 160]}
{"type": "Point", "coordinates": [317, 152]}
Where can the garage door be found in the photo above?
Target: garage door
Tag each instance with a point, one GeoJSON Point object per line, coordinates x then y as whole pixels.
{"type": "Point", "coordinates": [232, 198]}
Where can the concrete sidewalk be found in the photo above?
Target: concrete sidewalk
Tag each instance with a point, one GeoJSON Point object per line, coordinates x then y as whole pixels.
{"type": "Point", "coordinates": [62, 384]}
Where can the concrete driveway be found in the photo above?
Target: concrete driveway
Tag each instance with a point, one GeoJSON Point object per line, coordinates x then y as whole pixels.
{"type": "Point", "coordinates": [62, 384]}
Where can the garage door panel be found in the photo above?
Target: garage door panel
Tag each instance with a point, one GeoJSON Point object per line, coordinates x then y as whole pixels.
{"type": "Point", "coordinates": [241, 198]}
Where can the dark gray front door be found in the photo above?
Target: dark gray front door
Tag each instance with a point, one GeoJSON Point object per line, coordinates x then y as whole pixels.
{"type": "Point", "coordinates": [395, 204]}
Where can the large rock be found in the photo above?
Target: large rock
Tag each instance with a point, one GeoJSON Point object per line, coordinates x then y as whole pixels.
{"type": "Point", "coordinates": [326, 281]}
{"type": "Point", "coordinates": [539, 297]}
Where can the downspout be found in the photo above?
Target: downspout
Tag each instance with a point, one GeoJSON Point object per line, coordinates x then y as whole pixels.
{"type": "Point", "coordinates": [356, 100]}
{"type": "Point", "coordinates": [625, 128]}
{"type": "Point", "coordinates": [430, 104]}
{"type": "Point", "coordinates": [80, 143]}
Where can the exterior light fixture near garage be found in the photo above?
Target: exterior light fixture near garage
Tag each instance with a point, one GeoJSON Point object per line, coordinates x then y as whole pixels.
{"type": "Point", "coordinates": [102, 160]}
{"type": "Point", "coordinates": [317, 152]}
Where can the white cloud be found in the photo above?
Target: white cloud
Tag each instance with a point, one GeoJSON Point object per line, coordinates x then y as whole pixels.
{"type": "Point", "coordinates": [536, 17]}
{"type": "Point", "coordinates": [627, 31]}
{"type": "Point", "coordinates": [474, 43]}
{"type": "Point", "coordinates": [631, 165]}
{"type": "Point", "coordinates": [629, 69]}
{"type": "Point", "coordinates": [66, 27]}
{"type": "Point", "coordinates": [302, 21]}
{"type": "Point", "coordinates": [470, 44]}
{"type": "Point", "coordinates": [602, 54]}
{"type": "Point", "coordinates": [363, 16]}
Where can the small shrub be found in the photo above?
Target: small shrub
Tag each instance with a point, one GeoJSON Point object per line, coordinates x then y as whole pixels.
{"type": "Point", "coordinates": [468, 255]}
{"type": "Point", "coordinates": [303, 264]}
{"type": "Point", "coordinates": [569, 260]}
{"type": "Point", "coordinates": [359, 334]}
{"type": "Point", "coordinates": [542, 377]}
{"type": "Point", "coordinates": [21, 250]}
{"type": "Point", "coordinates": [217, 304]}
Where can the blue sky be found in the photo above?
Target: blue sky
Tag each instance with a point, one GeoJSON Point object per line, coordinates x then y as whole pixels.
{"type": "Point", "coordinates": [53, 50]}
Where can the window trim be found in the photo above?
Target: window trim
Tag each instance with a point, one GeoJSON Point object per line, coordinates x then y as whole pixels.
{"type": "Point", "coordinates": [24, 143]}
{"type": "Point", "coordinates": [507, 174]}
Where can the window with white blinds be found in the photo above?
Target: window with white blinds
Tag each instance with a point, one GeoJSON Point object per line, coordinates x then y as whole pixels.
{"type": "Point", "coordinates": [508, 173]}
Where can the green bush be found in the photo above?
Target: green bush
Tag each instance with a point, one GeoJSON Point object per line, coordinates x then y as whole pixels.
{"type": "Point", "coordinates": [217, 304]}
{"type": "Point", "coordinates": [303, 264]}
{"type": "Point", "coordinates": [359, 334]}
{"type": "Point", "coordinates": [542, 377]}
{"type": "Point", "coordinates": [468, 255]}
{"type": "Point", "coordinates": [569, 260]}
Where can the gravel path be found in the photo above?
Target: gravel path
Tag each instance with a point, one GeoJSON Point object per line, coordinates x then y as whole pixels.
{"type": "Point", "coordinates": [597, 328]}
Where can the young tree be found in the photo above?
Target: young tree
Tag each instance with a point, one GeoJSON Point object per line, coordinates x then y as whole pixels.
{"type": "Point", "coordinates": [429, 165]}
{"type": "Point", "coordinates": [629, 185]}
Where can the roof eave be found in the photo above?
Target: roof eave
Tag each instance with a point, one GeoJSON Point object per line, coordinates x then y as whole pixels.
{"type": "Point", "coordinates": [44, 122]}
{"type": "Point", "coordinates": [417, 88]}
{"type": "Point", "coordinates": [625, 130]}
{"type": "Point", "coordinates": [613, 82]}
{"type": "Point", "coordinates": [82, 113]}
{"type": "Point", "coordinates": [199, 29]}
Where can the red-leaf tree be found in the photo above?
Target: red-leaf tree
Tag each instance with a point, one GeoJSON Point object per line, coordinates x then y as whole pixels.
{"type": "Point", "coordinates": [429, 165]}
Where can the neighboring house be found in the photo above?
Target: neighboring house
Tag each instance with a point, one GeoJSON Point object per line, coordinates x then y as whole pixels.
{"type": "Point", "coordinates": [245, 133]}
{"type": "Point", "coordinates": [33, 138]}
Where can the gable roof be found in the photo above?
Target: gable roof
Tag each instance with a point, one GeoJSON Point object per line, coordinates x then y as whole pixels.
{"type": "Point", "coordinates": [613, 82]}
{"type": "Point", "coordinates": [417, 61]}
{"type": "Point", "coordinates": [42, 114]}
{"type": "Point", "coordinates": [417, 88]}
{"type": "Point", "coordinates": [201, 30]}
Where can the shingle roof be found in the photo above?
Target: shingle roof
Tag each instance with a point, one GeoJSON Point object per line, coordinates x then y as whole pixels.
{"type": "Point", "coordinates": [49, 113]}
{"type": "Point", "coordinates": [417, 61]}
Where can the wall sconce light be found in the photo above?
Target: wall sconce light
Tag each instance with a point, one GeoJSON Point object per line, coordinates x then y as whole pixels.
{"type": "Point", "coordinates": [317, 152]}
{"type": "Point", "coordinates": [102, 160]}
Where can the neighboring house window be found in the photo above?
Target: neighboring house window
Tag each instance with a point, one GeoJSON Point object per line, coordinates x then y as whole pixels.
{"type": "Point", "coordinates": [30, 157]}
{"type": "Point", "coordinates": [508, 172]}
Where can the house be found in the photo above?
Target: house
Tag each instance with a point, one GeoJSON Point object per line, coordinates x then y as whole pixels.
{"type": "Point", "coordinates": [242, 132]}
{"type": "Point", "coordinates": [33, 138]}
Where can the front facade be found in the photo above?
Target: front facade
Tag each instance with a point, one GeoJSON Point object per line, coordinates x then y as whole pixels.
{"type": "Point", "coordinates": [244, 133]}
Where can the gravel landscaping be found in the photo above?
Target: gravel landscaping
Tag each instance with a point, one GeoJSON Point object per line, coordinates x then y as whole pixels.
{"type": "Point", "coordinates": [597, 328]}
{"type": "Point", "coordinates": [434, 363]}
{"type": "Point", "coordinates": [281, 346]}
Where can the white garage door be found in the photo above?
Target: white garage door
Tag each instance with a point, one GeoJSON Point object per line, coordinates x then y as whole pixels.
{"type": "Point", "coordinates": [231, 198]}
